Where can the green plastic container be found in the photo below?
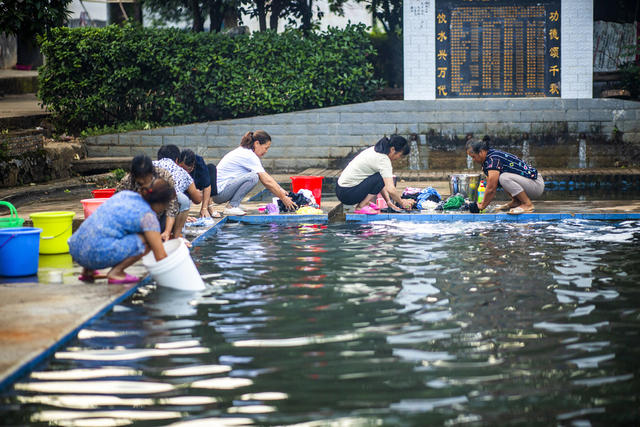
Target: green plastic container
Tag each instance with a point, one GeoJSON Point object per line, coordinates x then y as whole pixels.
{"type": "Point", "coordinates": [12, 220]}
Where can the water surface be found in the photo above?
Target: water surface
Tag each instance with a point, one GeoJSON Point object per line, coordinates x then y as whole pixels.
{"type": "Point", "coordinates": [390, 323]}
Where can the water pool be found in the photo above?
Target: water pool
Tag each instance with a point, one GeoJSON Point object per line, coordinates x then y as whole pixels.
{"type": "Point", "coordinates": [390, 323]}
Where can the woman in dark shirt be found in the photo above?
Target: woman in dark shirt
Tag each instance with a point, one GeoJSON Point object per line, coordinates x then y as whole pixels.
{"type": "Point", "coordinates": [204, 177]}
{"type": "Point", "coordinates": [520, 180]}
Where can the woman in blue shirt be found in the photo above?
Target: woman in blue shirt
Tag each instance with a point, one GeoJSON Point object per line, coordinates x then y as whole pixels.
{"type": "Point", "coordinates": [520, 180]}
{"type": "Point", "coordinates": [121, 231]}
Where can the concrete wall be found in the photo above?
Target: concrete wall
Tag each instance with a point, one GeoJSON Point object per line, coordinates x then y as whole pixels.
{"type": "Point", "coordinates": [419, 49]}
{"type": "Point", "coordinates": [8, 51]}
{"type": "Point", "coordinates": [576, 49]}
{"type": "Point", "coordinates": [323, 137]}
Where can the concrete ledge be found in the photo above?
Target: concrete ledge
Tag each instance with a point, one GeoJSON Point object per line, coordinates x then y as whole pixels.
{"type": "Point", "coordinates": [54, 321]}
{"type": "Point", "coordinates": [469, 217]}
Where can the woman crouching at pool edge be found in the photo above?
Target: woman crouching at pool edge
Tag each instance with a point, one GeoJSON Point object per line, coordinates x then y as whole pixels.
{"type": "Point", "coordinates": [370, 173]}
{"type": "Point", "coordinates": [123, 229]}
{"type": "Point", "coordinates": [241, 169]}
{"type": "Point", "coordinates": [520, 180]}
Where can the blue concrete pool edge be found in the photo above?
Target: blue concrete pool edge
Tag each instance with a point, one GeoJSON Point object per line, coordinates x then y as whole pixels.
{"type": "Point", "coordinates": [469, 217]}
{"type": "Point", "coordinates": [30, 365]}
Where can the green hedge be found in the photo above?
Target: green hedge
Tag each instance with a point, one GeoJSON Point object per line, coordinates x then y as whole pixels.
{"type": "Point", "coordinates": [97, 77]}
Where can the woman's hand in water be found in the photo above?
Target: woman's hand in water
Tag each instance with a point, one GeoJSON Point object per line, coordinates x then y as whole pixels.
{"type": "Point", "coordinates": [407, 204]}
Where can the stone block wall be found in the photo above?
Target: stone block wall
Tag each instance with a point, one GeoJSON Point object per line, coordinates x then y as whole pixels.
{"type": "Point", "coordinates": [16, 143]}
{"type": "Point", "coordinates": [324, 137]}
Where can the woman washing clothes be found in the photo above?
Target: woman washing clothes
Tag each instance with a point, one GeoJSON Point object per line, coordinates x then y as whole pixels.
{"type": "Point", "coordinates": [370, 173]}
{"type": "Point", "coordinates": [138, 180]}
{"type": "Point", "coordinates": [239, 171]}
{"type": "Point", "coordinates": [120, 232]}
{"type": "Point", "coordinates": [204, 178]}
{"type": "Point", "coordinates": [520, 180]}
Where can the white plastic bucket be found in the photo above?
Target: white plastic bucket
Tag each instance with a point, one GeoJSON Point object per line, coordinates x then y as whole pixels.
{"type": "Point", "coordinates": [177, 270]}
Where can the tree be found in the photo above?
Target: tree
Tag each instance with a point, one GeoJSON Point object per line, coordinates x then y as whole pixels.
{"type": "Point", "coordinates": [32, 17]}
{"type": "Point", "coordinates": [28, 19]}
{"type": "Point", "coordinates": [194, 12]}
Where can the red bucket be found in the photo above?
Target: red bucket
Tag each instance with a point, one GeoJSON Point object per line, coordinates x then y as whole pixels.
{"type": "Point", "coordinates": [103, 193]}
{"type": "Point", "coordinates": [90, 205]}
{"type": "Point", "coordinates": [312, 183]}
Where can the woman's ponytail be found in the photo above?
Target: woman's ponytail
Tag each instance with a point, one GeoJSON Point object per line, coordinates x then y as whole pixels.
{"type": "Point", "coordinates": [382, 146]}
{"type": "Point", "coordinates": [250, 137]}
{"type": "Point", "coordinates": [247, 140]}
{"type": "Point", "coordinates": [398, 143]}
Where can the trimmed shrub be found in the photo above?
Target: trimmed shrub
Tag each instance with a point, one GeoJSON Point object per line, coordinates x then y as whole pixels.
{"type": "Point", "coordinates": [97, 77]}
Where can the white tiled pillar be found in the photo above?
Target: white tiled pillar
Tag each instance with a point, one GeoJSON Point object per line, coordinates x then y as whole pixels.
{"type": "Point", "coordinates": [576, 49]}
{"type": "Point", "coordinates": [419, 49]}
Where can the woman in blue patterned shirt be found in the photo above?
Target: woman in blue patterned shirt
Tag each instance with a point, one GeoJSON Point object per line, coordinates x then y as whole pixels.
{"type": "Point", "coordinates": [519, 179]}
{"type": "Point", "coordinates": [121, 231]}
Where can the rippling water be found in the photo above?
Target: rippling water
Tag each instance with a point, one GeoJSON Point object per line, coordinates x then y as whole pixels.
{"type": "Point", "coordinates": [389, 323]}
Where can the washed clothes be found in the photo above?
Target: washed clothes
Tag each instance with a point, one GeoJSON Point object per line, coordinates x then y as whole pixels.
{"type": "Point", "coordinates": [235, 164]}
{"type": "Point", "coordinates": [506, 162]}
{"type": "Point", "coordinates": [363, 166]}
{"type": "Point", "coordinates": [110, 234]}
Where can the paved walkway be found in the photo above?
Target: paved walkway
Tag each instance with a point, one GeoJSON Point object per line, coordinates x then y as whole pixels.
{"type": "Point", "coordinates": [20, 105]}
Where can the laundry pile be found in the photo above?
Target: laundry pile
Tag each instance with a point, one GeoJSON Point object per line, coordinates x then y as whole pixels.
{"type": "Point", "coordinates": [303, 197]}
{"type": "Point", "coordinates": [426, 199]}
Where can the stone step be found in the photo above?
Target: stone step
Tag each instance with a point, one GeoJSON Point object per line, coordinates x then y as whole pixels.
{"type": "Point", "coordinates": [15, 82]}
{"type": "Point", "coordinates": [284, 165]}
{"type": "Point", "coordinates": [578, 175]}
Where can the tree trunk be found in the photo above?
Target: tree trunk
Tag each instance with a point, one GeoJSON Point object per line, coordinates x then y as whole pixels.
{"type": "Point", "coordinates": [28, 51]}
{"type": "Point", "coordinates": [216, 15]}
{"type": "Point", "coordinates": [198, 20]}
{"type": "Point", "coordinates": [262, 14]}
{"type": "Point", "coordinates": [115, 16]}
{"type": "Point", "coordinates": [307, 14]}
{"type": "Point", "coordinates": [277, 6]}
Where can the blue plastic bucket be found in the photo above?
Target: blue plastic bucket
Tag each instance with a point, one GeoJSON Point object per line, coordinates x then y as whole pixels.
{"type": "Point", "coordinates": [19, 251]}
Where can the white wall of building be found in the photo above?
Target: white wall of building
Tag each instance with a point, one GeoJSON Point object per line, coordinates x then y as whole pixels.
{"type": "Point", "coordinates": [97, 11]}
{"type": "Point", "coordinates": [419, 49]}
{"type": "Point", "coordinates": [576, 49]}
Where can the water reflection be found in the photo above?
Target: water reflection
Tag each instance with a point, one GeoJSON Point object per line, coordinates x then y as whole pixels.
{"type": "Point", "coordinates": [385, 323]}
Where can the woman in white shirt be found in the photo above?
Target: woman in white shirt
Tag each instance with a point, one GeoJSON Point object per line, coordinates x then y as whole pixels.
{"type": "Point", "coordinates": [370, 173]}
{"type": "Point", "coordinates": [240, 169]}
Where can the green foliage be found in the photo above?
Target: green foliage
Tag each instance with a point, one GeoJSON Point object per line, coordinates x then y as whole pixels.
{"type": "Point", "coordinates": [30, 17]}
{"type": "Point", "coordinates": [388, 61]}
{"type": "Point", "coordinates": [119, 174]}
{"type": "Point", "coordinates": [118, 128]}
{"type": "Point", "coordinates": [630, 72]}
{"type": "Point", "coordinates": [96, 77]}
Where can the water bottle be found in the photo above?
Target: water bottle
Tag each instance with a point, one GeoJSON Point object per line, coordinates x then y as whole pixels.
{"type": "Point", "coordinates": [481, 189]}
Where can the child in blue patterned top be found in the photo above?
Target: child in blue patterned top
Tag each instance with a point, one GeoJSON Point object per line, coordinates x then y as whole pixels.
{"type": "Point", "coordinates": [120, 232]}
{"type": "Point", "coordinates": [519, 179]}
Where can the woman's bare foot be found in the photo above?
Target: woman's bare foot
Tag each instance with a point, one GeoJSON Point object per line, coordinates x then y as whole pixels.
{"type": "Point", "coordinates": [514, 203]}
